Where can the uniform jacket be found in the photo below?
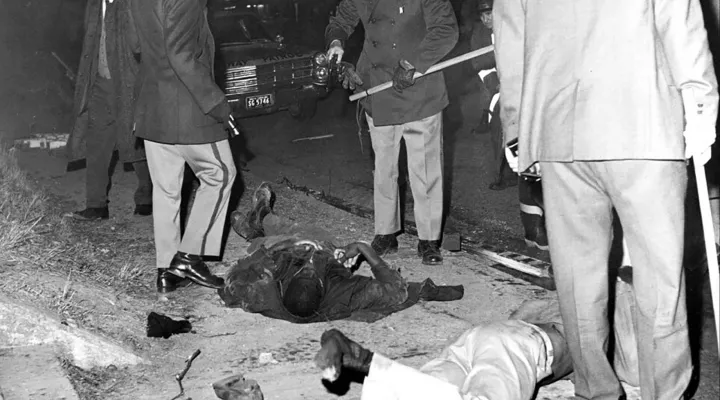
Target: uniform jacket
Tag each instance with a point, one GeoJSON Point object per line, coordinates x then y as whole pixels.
{"type": "Point", "coordinates": [601, 80]}
{"type": "Point", "coordinates": [123, 70]}
{"type": "Point", "coordinates": [422, 32]}
{"type": "Point", "coordinates": [175, 88]}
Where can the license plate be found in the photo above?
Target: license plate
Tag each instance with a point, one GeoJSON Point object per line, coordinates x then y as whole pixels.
{"type": "Point", "coordinates": [261, 101]}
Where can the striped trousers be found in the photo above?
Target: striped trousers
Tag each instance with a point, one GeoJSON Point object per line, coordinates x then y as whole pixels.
{"type": "Point", "coordinates": [213, 165]}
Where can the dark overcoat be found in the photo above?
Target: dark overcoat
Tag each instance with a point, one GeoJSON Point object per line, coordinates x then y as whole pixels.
{"type": "Point", "coordinates": [176, 89]}
{"type": "Point", "coordinates": [421, 32]}
{"type": "Point", "coordinates": [123, 67]}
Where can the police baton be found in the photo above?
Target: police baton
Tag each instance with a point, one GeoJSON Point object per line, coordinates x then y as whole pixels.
{"type": "Point", "coordinates": [437, 67]}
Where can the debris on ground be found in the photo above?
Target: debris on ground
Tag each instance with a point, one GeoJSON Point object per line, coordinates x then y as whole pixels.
{"type": "Point", "coordinates": [159, 325]}
{"type": "Point", "coordinates": [236, 387]}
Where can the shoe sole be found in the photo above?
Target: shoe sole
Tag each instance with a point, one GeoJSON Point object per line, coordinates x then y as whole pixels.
{"type": "Point", "coordinates": [388, 251]}
{"type": "Point", "coordinates": [181, 284]}
{"type": "Point", "coordinates": [530, 243]}
{"type": "Point", "coordinates": [182, 274]}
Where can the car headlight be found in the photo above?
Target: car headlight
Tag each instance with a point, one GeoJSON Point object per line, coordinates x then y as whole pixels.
{"type": "Point", "coordinates": [320, 59]}
{"type": "Point", "coordinates": [321, 74]}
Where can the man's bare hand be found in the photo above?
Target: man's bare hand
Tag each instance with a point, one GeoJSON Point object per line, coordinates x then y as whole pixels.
{"type": "Point", "coordinates": [349, 255]}
{"type": "Point", "coordinates": [334, 50]}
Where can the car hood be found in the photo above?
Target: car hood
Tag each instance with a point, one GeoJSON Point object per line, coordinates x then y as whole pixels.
{"type": "Point", "coordinates": [247, 54]}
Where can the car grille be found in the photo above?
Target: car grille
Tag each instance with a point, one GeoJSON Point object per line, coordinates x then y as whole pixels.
{"type": "Point", "coordinates": [268, 77]}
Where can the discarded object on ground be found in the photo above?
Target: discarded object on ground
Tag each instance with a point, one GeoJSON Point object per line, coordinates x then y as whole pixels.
{"type": "Point", "coordinates": [434, 68]}
{"type": "Point", "coordinates": [179, 377]}
{"type": "Point", "coordinates": [159, 325]}
{"type": "Point", "coordinates": [451, 242]}
{"type": "Point", "coordinates": [48, 141]}
{"type": "Point", "coordinates": [236, 387]}
{"type": "Point", "coordinates": [266, 358]}
{"type": "Point", "coordinates": [312, 138]}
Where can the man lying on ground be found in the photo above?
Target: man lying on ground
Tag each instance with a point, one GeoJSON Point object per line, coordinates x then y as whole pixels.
{"type": "Point", "coordinates": [496, 361]}
{"type": "Point", "coordinates": [298, 273]}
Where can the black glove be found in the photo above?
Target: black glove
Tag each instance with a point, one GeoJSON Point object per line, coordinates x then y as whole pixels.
{"type": "Point", "coordinates": [404, 76]}
{"type": "Point", "coordinates": [338, 352]}
{"type": "Point", "coordinates": [221, 112]}
{"type": "Point", "coordinates": [159, 325]}
{"type": "Point", "coordinates": [349, 77]}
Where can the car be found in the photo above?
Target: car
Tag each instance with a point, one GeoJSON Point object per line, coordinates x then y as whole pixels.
{"type": "Point", "coordinates": [262, 75]}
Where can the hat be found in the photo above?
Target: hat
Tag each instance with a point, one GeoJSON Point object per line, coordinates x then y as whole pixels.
{"type": "Point", "coordinates": [485, 5]}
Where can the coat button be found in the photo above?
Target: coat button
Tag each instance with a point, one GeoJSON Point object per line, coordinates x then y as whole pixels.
{"type": "Point", "coordinates": [392, 21]}
{"type": "Point", "coordinates": [372, 20]}
{"type": "Point", "coordinates": [394, 45]}
{"type": "Point", "coordinates": [374, 65]}
{"type": "Point", "coordinates": [374, 43]}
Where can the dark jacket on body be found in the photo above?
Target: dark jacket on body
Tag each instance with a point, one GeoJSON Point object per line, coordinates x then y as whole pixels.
{"type": "Point", "coordinates": [422, 32]}
{"type": "Point", "coordinates": [175, 88]}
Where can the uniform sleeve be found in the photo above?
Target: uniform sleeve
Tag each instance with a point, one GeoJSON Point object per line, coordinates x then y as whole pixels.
{"type": "Point", "coordinates": [509, 28]}
{"type": "Point", "coordinates": [182, 30]}
{"type": "Point", "coordinates": [681, 30]}
{"type": "Point", "coordinates": [343, 23]}
{"type": "Point", "coordinates": [441, 37]}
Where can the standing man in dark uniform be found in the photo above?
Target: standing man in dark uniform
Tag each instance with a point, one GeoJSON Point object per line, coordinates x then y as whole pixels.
{"type": "Point", "coordinates": [402, 37]}
{"type": "Point", "coordinates": [181, 114]}
{"type": "Point", "coordinates": [103, 109]}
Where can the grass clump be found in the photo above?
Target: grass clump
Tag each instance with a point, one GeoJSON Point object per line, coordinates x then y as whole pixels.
{"type": "Point", "coordinates": [22, 207]}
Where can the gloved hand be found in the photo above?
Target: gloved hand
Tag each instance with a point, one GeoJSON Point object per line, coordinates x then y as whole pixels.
{"type": "Point", "coordinates": [699, 137]}
{"type": "Point", "coordinates": [335, 49]}
{"type": "Point", "coordinates": [221, 112]}
{"type": "Point", "coordinates": [350, 78]}
{"type": "Point", "coordinates": [404, 76]}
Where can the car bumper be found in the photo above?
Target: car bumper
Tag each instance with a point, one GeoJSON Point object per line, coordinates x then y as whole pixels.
{"type": "Point", "coordinates": [282, 100]}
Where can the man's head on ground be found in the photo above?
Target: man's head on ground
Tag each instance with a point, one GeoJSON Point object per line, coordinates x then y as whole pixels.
{"type": "Point", "coordinates": [304, 293]}
{"type": "Point", "coordinates": [485, 13]}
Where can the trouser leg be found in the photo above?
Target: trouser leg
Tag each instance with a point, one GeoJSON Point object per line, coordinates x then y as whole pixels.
{"type": "Point", "coordinates": [143, 193]}
{"type": "Point", "coordinates": [496, 141]}
{"type": "Point", "coordinates": [386, 145]}
{"type": "Point", "coordinates": [579, 221]}
{"type": "Point", "coordinates": [423, 140]}
{"type": "Point", "coordinates": [167, 167]}
{"type": "Point", "coordinates": [213, 165]}
{"type": "Point", "coordinates": [100, 141]}
{"type": "Point", "coordinates": [390, 380]}
{"type": "Point", "coordinates": [649, 197]}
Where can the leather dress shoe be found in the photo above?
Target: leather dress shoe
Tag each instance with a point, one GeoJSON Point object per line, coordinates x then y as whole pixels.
{"type": "Point", "coordinates": [429, 251]}
{"type": "Point", "coordinates": [250, 226]}
{"type": "Point", "coordinates": [90, 214]}
{"type": "Point", "coordinates": [167, 281]}
{"type": "Point", "coordinates": [143, 210]}
{"type": "Point", "coordinates": [192, 267]}
{"type": "Point", "coordinates": [384, 244]}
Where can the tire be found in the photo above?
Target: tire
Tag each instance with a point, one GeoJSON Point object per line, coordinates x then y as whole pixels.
{"type": "Point", "coordinates": [303, 110]}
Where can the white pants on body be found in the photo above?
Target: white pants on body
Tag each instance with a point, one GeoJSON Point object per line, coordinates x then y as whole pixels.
{"type": "Point", "coordinates": [498, 361]}
{"type": "Point", "coordinates": [423, 141]}
{"type": "Point", "coordinates": [213, 165]}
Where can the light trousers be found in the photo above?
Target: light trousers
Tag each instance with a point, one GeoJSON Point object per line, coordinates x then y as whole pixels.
{"type": "Point", "coordinates": [423, 141]}
{"type": "Point", "coordinates": [213, 165]}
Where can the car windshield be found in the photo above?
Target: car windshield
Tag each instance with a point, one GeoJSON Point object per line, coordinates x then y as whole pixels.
{"type": "Point", "coordinates": [238, 29]}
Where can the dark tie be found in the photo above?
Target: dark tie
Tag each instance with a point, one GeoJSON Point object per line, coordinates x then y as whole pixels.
{"type": "Point", "coordinates": [103, 69]}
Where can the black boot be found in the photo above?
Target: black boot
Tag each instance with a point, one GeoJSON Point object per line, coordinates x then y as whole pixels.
{"type": "Point", "coordinates": [192, 267]}
{"type": "Point", "coordinates": [384, 244]}
{"type": "Point", "coordinates": [429, 251]}
{"type": "Point", "coordinates": [90, 214]}
{"type": "Point", "coordinates": [338, 351]}
{"type": "Point", "coordinates": [167, 282]}
{"type": "Point", "coordinates": [250, 226]}
{"type": "Point", "coordinates": [535, 233]}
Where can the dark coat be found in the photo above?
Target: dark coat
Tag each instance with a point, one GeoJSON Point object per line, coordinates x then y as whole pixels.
{"type": "Point", "coordinates": [123, 70]}
{"type": "Point", "coordinates": [423, 33]}
{"type": "Point", "coordinates": [176, 89]}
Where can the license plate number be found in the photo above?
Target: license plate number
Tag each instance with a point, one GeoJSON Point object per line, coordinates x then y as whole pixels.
{"type": "Point", "coordinates": [265, 100]}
